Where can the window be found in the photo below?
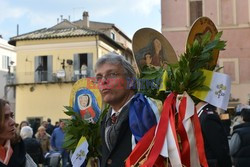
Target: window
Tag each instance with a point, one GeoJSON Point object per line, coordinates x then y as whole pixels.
{"type": "Point", "coordinates": [113, 35]}
{"type": "Point", "coordinates": [195, 10]}
{"type": "Point", "coordinates": [83, 65]}
{"type": "Point", "coordinates": [43, 68]}
{"type": "Point", "coordinates": [230, 67]}
{"type": "Point", "coordinates": [5, 62]}
{"type": "Point", "coordinates": [34, 122]}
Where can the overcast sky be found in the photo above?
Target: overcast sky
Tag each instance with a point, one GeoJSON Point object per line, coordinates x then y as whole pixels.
{"type": "Point", "coordinates": [30, 15]}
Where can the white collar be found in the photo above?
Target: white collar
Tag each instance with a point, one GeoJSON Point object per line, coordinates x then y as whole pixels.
{"type": "Point", "coordinates": [118, 112]}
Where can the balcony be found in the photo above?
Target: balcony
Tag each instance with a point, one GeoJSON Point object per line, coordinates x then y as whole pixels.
{"type": "Point", "coordinates": [44, 77]}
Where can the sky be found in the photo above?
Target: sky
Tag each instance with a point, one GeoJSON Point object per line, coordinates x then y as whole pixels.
{"type": "Point", "coordinates": [128, 15]}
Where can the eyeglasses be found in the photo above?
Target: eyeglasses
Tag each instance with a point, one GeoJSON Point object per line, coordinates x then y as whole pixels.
{"type": "Point", "coordinates": [107, 76]}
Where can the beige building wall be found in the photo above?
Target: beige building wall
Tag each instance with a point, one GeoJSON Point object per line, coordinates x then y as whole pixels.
{"type": "Point", "coordinates": [230, 16]}
{"type": "Point", "coordinates": [45, 99]}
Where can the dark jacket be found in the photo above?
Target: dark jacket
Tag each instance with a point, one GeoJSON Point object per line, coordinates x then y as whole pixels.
{"type": "Point", "coordinates": [50, 129]}
{"type": "Point", "coordinates": [242, 156]}
{"type": "Point", "coordinates": [18, 157]}
{"type": "Point", "coordinates": [215, 138]}
{"type": "Point", "coordinates": [122, 146]}
{"type": "Point", "coordinates": [34, 149]}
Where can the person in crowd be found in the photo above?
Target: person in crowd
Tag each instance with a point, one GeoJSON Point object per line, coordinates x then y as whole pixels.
{"type": "Point", "coordinates": [35, 125]}
{"type": "Point", "coordinates": [44, 124]}
{"type": "Point", "coordinates": [84, 69]}
{"type": "Point", "coordinates": [237, 118]}
{"type": "Point", "coordinates": [44, 139]}
{"type": "Point", "coordinates": [56, 141]}
{"type": "Point", "coordinates": [50, 127]}
{"type": "Point", "coordinates": [57, 124]}
{"type": "Point", "coordinates": [12, 149]}
{"type": "Point", "coordinates": [214, 136]}
{"type": "Point", "coordinates": [22, 124]}
{"type": "Point", "coordinates": [240, 141]}
{"type": "Point", "coordinates": [112, 71]}
{"type": "Point", "coordinates": [32, 146]}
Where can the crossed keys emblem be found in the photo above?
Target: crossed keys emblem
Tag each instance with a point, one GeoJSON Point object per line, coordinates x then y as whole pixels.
{"type": "Point", "coordinates": [220, 92]}
{"type": "Point", "coordinates": [80, 155]}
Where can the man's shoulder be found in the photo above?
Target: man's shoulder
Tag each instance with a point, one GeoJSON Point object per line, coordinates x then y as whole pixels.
{"type": "Point", "coordinates": [245, 125]}
{"type": "Point", "coordinates": [56, 130]}
{"type": "Point", "coordinates": [50, 126]}
{"type": "Point", "coordinates": [209, 111]}
{"type": "Point", "coordinates": [209, 115]}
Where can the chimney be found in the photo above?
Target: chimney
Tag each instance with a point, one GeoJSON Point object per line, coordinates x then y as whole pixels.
{"type": "Point", "coordinates": [85, 18]}
{"type": "Point", "coordinates": [17, 29]}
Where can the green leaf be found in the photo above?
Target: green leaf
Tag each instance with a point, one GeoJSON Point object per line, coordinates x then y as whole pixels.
{"type": "Point", "coordinates": [69, 113]}
{"type": "Point", "coordinates": [218, 35]}
{"type": "Point", "coordinates": [69, 143]}
{"type": "Point", "coordinates": [206, 38]}
{"type": "Point", "coordinates": [210, 46]}
{"type": "Point", "coordinates": [68, 137]}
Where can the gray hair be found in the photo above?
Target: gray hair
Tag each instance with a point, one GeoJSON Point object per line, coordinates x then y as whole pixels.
{"type": "Point", "coordinates": [26, 132]}
{"type": "Point", "coordinates": [115, 59]}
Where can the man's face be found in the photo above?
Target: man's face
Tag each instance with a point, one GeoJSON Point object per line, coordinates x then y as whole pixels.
{"type": "Point", "coordinates": [62, 124]}
{"type": "Point", "coordinates": [9, 129]}
{"type": "Point", "coordinates": [113, 89]}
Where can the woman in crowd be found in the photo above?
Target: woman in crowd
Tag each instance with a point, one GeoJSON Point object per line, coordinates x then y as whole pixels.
{"type": "Point", "coordinates": [43, 138]}
{"type": "Point", "coordinates": [12, 149]}
{"type": "Point", "coordinates": [22, 124]}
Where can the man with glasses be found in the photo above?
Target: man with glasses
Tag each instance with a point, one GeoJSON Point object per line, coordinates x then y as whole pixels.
{"type": "Point", "coordinates": [115, 78]}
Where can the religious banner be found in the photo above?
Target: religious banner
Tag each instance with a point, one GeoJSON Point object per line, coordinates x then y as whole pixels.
{"type": "Point", "coordinates": [152, 50]}
{"type": "Point", "coordinates": [200, 27]}
{"type": "Point", "coordinates": [82, 131]}
{"type": "Point", "coordinates": [86, 100]}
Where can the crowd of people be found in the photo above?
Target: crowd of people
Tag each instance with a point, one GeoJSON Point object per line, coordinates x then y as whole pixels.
{"type": "Point", "coordinates": [17, 146]}
{"type": "Point", "coordinates": [20, 147]}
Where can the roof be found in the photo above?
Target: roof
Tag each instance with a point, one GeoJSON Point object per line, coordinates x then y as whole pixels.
{"type": "Point", "coordinates": [101, 26]}
{"type": "Point", "coordinates": [61, 30]}
{"type": "Point", "coordinates": [55, 33]}
{"type": "Point", "coordinates": [64, 29]}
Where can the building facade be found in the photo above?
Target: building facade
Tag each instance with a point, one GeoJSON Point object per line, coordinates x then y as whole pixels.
{"type": "Point", "coordinates": [7, 67]}
{"type": "Point", "coordinates": [230, 16]}
{"type": "Point", "coordinates": [50, 61]}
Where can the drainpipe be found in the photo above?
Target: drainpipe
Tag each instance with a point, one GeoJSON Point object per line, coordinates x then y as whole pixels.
{"type": "Point", "coordinates": [96, 43]}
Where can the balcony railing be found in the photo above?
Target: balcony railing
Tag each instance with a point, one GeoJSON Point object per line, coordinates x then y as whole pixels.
{"type": "Point", "coordinates": [43, 77]}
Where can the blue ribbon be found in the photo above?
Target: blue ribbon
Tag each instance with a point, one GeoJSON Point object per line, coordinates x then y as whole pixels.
{"type": "Point", "coordinates": [141, 116]}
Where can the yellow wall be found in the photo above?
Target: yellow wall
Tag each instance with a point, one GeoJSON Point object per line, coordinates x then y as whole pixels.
{"type": "Point", "coordinates": [47, 100]}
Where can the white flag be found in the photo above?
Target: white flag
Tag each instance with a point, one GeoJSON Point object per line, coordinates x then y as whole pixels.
{"type": "Point", "coordinates": [80, 153]}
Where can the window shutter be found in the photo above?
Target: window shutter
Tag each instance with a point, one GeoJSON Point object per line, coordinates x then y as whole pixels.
{"type": "Point", "coordinates": [49, 67]}
{"type": "Point", "coordinates": [90, 65]}
{"type": "Point", "coordinates": [76, 62]}
{"type": "Point", "coordinates": [36, 73]}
